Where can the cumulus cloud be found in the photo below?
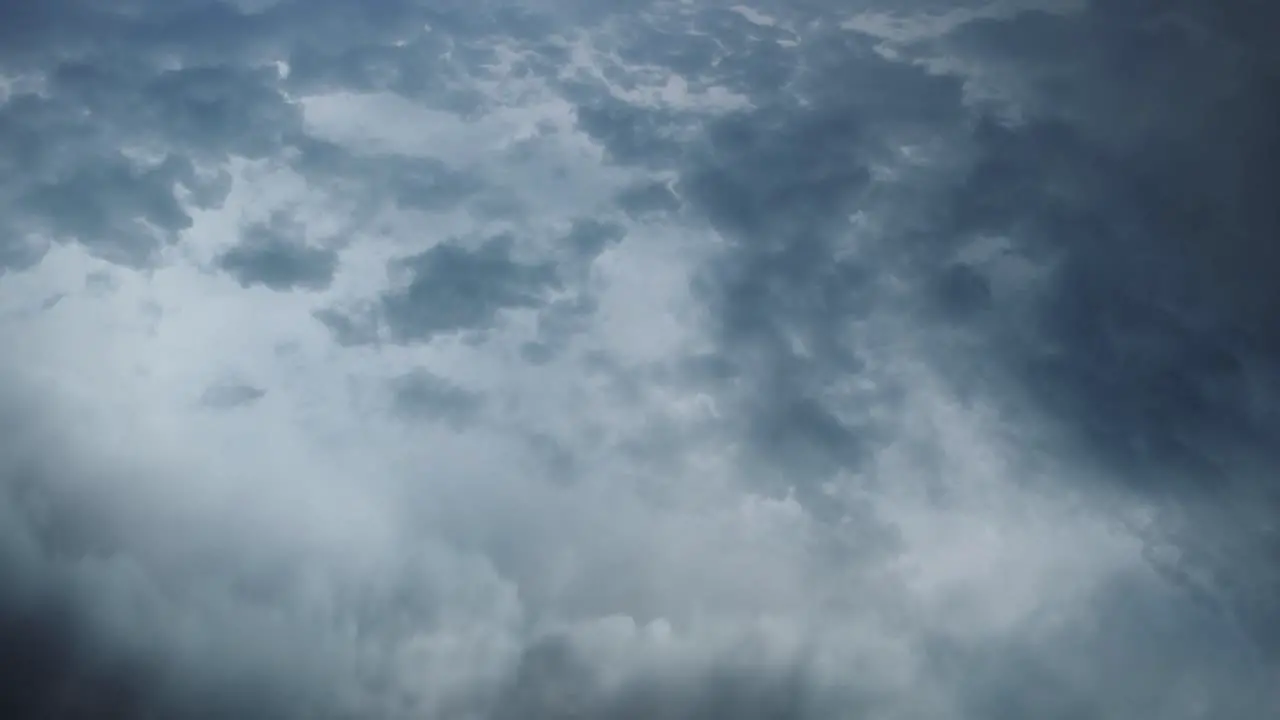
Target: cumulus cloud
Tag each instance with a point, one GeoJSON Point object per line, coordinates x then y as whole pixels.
{"type": "Point", "coordinates": [629, 359]}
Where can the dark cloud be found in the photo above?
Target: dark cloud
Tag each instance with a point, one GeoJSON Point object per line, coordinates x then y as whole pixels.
{"type": "Point", "coordinates": [1149, 344]}
{"type": "Point", "coordinates": [653, 197]}
{"type": "Point", "coordinates": [588, 237]}
{"type": "Point", "coordinates": [1135, 175]}
{"type": "Point", "coordinates": [1146, 345]}
{"type": "Point", "coordinates": [349, 329]}
{"type": "Point", "coordinates": [119, 209]}
{"type": "Point", "coordinates": [233, 395]}
{"type": "Point", "coordinates": [54, 677]}
{"type": "Point", "coordinates": [423, 395]}
{"type": "Point", "coordinates": [632, 135]}
{"type": "Point", "coordinates": [274, 256]}
{"type": "Point", "coordinates": [411, 183]}
{"type": "Point", "coordinates": [194, 85]}
{"type": "Point", "coordinates": [452, 288]}
{"type": "Point", "coordinates": [779, 182]}
{"type": "Point", "coordinates": [99, 282]}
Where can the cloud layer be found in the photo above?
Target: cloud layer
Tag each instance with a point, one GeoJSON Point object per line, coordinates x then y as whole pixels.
{"type": "Point", "coordinates": [638, 359]}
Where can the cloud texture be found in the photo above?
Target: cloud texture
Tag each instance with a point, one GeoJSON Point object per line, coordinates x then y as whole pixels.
{"type": "Point", "coordinates": [639, 359]}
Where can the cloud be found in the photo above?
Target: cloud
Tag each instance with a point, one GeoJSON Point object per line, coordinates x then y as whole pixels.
{"type": "Point", "coordinates": [222, 397]}
{"type": "Point", "coordinates": [267, 256]}
{"type": "Point", "coordinates": [421, 394]}
{"type": "Point", "coordinates": [452, 288]}
{"type": "Point", "coordinates": [632, 359]}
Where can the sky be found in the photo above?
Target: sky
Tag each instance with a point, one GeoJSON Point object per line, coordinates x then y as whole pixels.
{"type": "Point", "coordinates": [623, 359]}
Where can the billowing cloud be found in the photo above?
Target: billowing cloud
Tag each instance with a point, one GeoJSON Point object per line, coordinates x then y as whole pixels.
{"type": "Point", "coordinates": [638, 359]}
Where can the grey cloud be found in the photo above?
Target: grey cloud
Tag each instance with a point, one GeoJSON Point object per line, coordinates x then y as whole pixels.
{"type": "Point", "coordinates": [778, 183]}
{"type": "Point", "coordinates": [99, 282]}
{"type": "Point", "coordinates": [1116, 354]}
{"type": "Point", "coordinates": [272, 256]}
{"type": "Point", "coordinates": [537, 353]}
{"type": "Point", "coordinates": [1150, 345]}
{"type": "Point", "coordinates": [648, 198]}
{"type": "Point", "coordinates": [554, 680]}
{"type": "Point", "coordinates": [632, 135]}
{"type": "Point", "coordinates": [110, 83]}
{"type": "Point", "coordinates": [347, 328]}
{"type": "Point", "coordinates": [448, 289]}
{"type": "Point", "coordinates": [1129, 348]}
{"type": "Point", "coordinates": [110, 207]}
{"type": "Point", "coordinates": [232, 395]}
{"type": "Point", "coordinates": [452, 288]}
{"type": "Point", "coordinates": [412, 183]}
{"type": "Point", "coordinates": [558, 322]}
{"type": "Point", "coordinates": [220, 110]}
{"type": "Point", "coordinates": [1152, 367]}
{"type": "Point", "coordinates": [588, 237]}
{"type": "Point", "coordinates": [423, 395]}
{"type": "Point", "coordinates": [1138, 363]}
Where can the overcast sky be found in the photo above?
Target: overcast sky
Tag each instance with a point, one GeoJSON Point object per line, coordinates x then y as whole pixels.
{"type": "Point", "coordinates": [639, 359]}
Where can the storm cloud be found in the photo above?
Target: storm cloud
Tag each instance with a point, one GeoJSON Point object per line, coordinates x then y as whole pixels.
{"type": "Point", "coordinates": [630, 359]}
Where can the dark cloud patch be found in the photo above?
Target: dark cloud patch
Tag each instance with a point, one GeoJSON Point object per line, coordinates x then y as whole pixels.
{"type": "Point", "coordinates": [770, 176]}
{"type": "Point", "coordinates": [537, 353]}
{"type": "Point", "coordinates": [960, 291]}
{"type": "Point", "coordinates": [1189, 134]}
{"type": "Point", "coordinates": [448, 289]}
{"type": "Point", "coordinates": [1144, 191]}
{"type": "Point", "coordinates": [453, 288]}
{"type": "Point", "coordinates": [225, 396]}
{"type": "Point", "coordinates": [632, 135]}
{"type": "Point", "coordinates": [349, 328]}
{"type": "Point", "coordinates": [410, 183]}
{"type": "Point", "coordinates": [17, 253]}
{"type": "Point", "coordinates": [588, 238]}
{"type": "Point", "coordinates": [429, 185]}
{"type": "Point", "coordinates": [558, 323]}
{"type": "Point", "coordinates": [55, 675]}
{"type": "Point", "coordinates": [779, 183]}
{"type": "Point", "coordinates": [425, 396]}
{"type": "Point", "coordinates": [646, 198]}
{"type": "Point", "coordinates": [272, 255]}
{"type": "Point", "coordinates": [120, 210]}
{"type": "Point", "coordinates": [560, 462]}
{"type": "Point", "coordinates": [99, 282]}
{"type": "Point", "coordinates": [220, 111]}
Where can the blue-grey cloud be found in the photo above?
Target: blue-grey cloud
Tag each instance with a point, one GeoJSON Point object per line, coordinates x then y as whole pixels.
{"type": "Point", "coordinates": [979, 307]}
{"type": "Point", "coordinates": [270, 255]}
{"type": "Point", "coordinates": [452, 288]}
{"type": "Point", "coordinates": [422, 395]}
{"type": "Point", "coordinates": [226, 396]}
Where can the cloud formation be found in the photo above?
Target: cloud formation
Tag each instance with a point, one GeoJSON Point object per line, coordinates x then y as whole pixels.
{"type": "Point", "coordinates": [638, 360]}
